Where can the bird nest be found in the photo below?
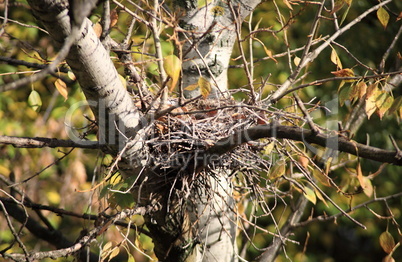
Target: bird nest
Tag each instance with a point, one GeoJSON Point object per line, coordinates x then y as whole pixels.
{"type": "Point", "coordinates": [180, 139]}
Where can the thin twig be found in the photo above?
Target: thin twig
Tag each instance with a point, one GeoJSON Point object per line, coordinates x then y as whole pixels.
{"type": "Point", "coordinates": [309, 57]}
{"type": "Point", "coordinates": [333, 217]}
{"type": "Point", "coordinates": [39, 142]}
{"type": "Point", "coordinates": [249, 76]}
{"type": "Point", "coordinates": [51, 68]}
{"type": "Point", "coordinates": [389, 49]}
{"type": "Point", "coordinates": [306, 114]}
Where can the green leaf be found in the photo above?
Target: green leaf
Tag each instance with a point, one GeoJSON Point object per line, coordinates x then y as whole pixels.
{"type": "Point", "coordinates": [344, 94]}
{"type": "Point", "coordinates": [278, 169]}
{"type": "Point", "coordinates": [396, 105]}
{"type": "Point", "coordinates": [383, 16]}
{"type": "Point", "coordinates": [34, 101]}
{"type": "Point", "coordinates": [122, 200]}
{"type": "Point", "coordinates": [202, 3]}
{"type": "Point", "coordinates": [383, 104]}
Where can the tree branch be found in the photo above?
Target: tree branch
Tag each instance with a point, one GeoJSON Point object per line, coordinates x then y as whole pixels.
{"type": "Point", "coordinates": [64, 246]}
{"type": "Point", "coordinates": [53, 237]}
{"type": "Point", "coordinates": [39, 142]}
{"type": "Point", "coordinates": [332, 141]}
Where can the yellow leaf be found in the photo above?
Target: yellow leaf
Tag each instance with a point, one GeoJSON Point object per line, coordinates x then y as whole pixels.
{"type": "Point", "coordinates": [383, 16]}
{"type": "Point", "coordinates": [383, 103]}
{"type": "Point", "coordinates": [53, 197]}
{"type": "Point", "coordinates": [399, 16]}
{"type": "Point", "coordinates": [348, 2]}
{"type": "Point", "coordinates": [296, 60]}
{"type": "Point", "coordinates": [387, 242]}
{"type": "Point", "coordinates": [278, 169]}
{"type": "Point", "coordinates": [205, 87]}
{"type": "Point", "coordinates": [107, 246]}
{"type": "Point", "coordinates": [267, 51]}
{"type": "Point", "coordinates": [320, 197]}
{"type": "Point", "coordinates": [310, 195]}
{"type": "Point", "coordinates": [362, 87]}
{"type": "Point", "coordinates": [172, 66]}
{"type": "Point", "coordinates": [335, 59]}
{"type": "Point", "coordinates": [288, 4]}
{"type": "Point", "coordinates": [98, 29]}
{"type": "Point", "coordinates": [388, 258]}
{"type": "Point", "coordinates": [114, 253]}
{"type": "Point", "coordinates": [191, 87]}
{"type": "Point", "coordinates": [71, 75]}
{"type": "Point", "coordinates": [62, 88]}
{"type": "Point", "coordinates": [268, 148]}
{"type": "Point", "coordinates": [365, 182]}
{"type": "Point", "coordinates": [371, 97]}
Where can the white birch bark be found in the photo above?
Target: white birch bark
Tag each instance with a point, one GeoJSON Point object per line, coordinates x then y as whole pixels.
{"type": "Point", "coordinates": [95, 72]}
{"type": "Point", "coordinates": [211, 34]}
{"type": "Point", "coordinates": [208, 47]}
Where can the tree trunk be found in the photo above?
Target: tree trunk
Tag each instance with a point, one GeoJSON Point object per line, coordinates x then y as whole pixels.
{"type": "Point", "coordinates": [209, 38]}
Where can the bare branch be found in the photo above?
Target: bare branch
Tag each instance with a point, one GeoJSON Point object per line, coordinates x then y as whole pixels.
{"type": "Point", "coordinates": [332, 141]}
{"type": "Point", "coordinates": [333, 217]}
{"type": "Point", "coordinates": [65, 247]}
{"type": "Point", "coordinates": [39, 142]}
{"type": "Point", "coordinates": [309, 57]}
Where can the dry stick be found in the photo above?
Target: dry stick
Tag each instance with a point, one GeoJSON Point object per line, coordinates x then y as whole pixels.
{"type": "Point", "coordinates": [85, 240]}
{"type": "Point", "coordinates": [105, 21]}
{"type": "Point", "coordinates": [343, 212]}
{"type": "Point", "coordinates": [24, 25]}
{"type": "Point", "coordinates": [321, 81]}
{"type": "Point", "coordinates": [304, 59]}
{"type": "Point", "coordinates": [391, 46]}
{"type": "Point", "coordinates": [309, 57]}
{"type": "Point", "coordinates": [333, 217]}
{"type": "Point", "coordinates": [315, 42]}
{"type": "Point", "coordinates": [13, 61]}
{"type": "Point", "coordinates": [63, 212]}
{"type": "Point", "coordinates": [306, 114]}
{"type": "Point", "coordinates": [11, 184]}
{"type": "Point", "coordinates": [5, 19]}
{"type": "Point", "coordinates": [145, 22]}
{"type": "Point", "coordinates": [39, 142]}
{"type": "Point", "coordinates": [335, 142]}
{"type": "Point", "coordinates": [285, 35]}
{"type": "Point", "coordinates": [159, 56]}
{"type": "Point", "coordinates": [51, 68]}
{"type": "Point", "coordinates": [46, 167]}
{"type": "Point", "coordinates": [11, 227]}
{"type": "Point", "coordinates": [353, 57]}
{"type": "Point", "coordinates": [237, 23]}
